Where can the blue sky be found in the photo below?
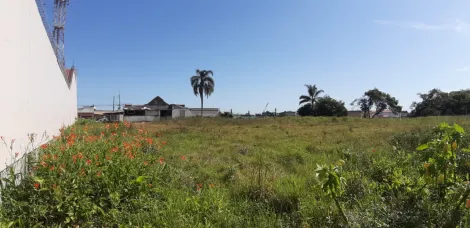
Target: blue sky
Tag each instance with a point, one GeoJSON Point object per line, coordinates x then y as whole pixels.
{"type": "Point", "coordinates": [266, 50]}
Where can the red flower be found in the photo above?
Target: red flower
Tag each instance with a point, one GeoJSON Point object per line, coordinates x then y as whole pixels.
{"type": "Point", "coordinates": [43, 146]}
{"type": "Point", "coordinates": [114, 150]}
{"type": "Point", "coordinates": [88, 162]}
{"type": "Point", "coordinates": [161, 160]}
{"type": "Point", "coordinates": [52, 168]}
{"type": "Point", "coordinates": [36, 185]}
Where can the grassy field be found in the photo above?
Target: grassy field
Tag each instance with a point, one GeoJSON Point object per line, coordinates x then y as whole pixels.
{"type": "Point", "coordinates": [238, 173]}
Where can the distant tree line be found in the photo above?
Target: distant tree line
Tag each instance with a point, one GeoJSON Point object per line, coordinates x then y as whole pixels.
{"type": "Point", "coordinates": [438, 103]}
{"type": "Point", "coordinates": [433, 103]}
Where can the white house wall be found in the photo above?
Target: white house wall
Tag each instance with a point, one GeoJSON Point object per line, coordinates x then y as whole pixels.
{"type": "Point", "coordinates": [34, 93]}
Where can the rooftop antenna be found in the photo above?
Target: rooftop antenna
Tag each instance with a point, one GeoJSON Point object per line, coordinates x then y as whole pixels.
{"type": "Point", "coordinates": [60, 16]}
{"type": "Point", "coordinates": [119, 108]}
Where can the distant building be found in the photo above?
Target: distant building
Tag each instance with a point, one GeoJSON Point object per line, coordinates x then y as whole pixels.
{"type": "Point", "coordinates": [384, 114]}
{"type": "Point", "coordinates": [158, 109]}
{"type": "Point", "coordinates": [86, 112]}
{"type": "Point", "coordinates": [287, 113]}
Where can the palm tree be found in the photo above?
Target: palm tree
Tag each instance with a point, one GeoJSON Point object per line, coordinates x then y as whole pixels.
{"type": "Point", "coordinates": [203, 84]}
{"type": "Point", "coordinates": [313, 93]}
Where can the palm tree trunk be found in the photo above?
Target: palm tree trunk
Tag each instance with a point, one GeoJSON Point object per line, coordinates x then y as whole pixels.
{"type": "Point", "coordinates": [202, 104]}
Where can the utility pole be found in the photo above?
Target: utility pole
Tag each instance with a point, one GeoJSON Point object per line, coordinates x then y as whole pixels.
{"type": "Point", "coordinates": [119, 108]}
{"type": "Point", "coordinates": [113, 103]}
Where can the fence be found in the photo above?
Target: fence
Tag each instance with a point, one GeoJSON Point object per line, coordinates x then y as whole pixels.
{"type": "Point", "coordinates": [42, 12]}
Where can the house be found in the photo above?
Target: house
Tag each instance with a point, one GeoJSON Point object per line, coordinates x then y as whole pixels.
{"type": "Point", "coordinates": [355, 113]}
{"type": "Point", "coordinates": [158, 109]}
{"type": "Point", "coordinates": [114, 116]}
{"type": "Point", "coordinates": [288, 113]}
{"type": "Point", "coordinates": [86, 112]}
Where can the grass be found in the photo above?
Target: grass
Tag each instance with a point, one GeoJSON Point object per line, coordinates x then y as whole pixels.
{"type": "Point", "coordinates": [229, 173]}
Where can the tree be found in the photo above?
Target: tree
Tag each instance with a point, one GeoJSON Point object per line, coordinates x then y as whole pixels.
{"type": "Point", "coordinates": [437, 102]}
{"type": "Point", "coordinates": [327, 106]}
{"type": "Point", "coordinates": [203, 84]}
{"type": "Point", "coordinates": [313, 93]}
{"type": "Point", "coordinates": [305, 110]}
{"type": "Point", "coordinates": [379, 100]}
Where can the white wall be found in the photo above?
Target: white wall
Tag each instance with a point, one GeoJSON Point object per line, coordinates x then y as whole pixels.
{"type": "Point", "coordinates": [141, 118]}
{"type": "Point", "coordinates": [34, 95]}
{"type": "Point", "coordinates": [206, 112]}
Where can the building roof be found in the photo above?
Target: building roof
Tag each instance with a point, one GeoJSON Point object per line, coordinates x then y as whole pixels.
{"type": "Point", "coordinates": [86, 109]}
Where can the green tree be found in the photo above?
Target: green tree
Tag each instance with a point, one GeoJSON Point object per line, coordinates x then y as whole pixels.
{"type": "Point", "coordinates": [203, 84]}
{"type": "Point", "coordinates": [305, 110]}
{"type": "Point", "coordinates": [327, 106]}
{"type": "Point", "coordinates": [313, 94]}
{"type": "Point", "coordinates": [379, 100]}
{"type": "Point", "coordinates": [437, 102]}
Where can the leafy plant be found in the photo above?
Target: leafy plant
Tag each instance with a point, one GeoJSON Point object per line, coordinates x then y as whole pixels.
{"type": "Point", "coordinates": [332, 183]}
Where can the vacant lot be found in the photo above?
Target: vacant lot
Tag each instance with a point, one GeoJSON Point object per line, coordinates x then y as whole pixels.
{"type": "Point", "coordinates": [240, 173]}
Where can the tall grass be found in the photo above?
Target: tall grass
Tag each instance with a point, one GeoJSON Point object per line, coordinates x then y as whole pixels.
{"type": "Point", "coordinates": [232, 173]}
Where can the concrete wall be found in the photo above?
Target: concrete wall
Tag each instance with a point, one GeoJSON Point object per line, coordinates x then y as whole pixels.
{"type": "Point", "coordinates": [141, 118]}
{"type": "Point", "coordinates": [35, 96]}
{"type": "Point", "coordinates": [181, 113]}
{"type": "Point", "coordinates": [207, 112]}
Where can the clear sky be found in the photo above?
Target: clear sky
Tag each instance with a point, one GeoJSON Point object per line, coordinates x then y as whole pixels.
{"type": "Point", "coordinates": [266, 50]}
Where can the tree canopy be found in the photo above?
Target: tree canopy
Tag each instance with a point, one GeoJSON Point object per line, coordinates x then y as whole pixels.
{"type": "Point", "coordinates": [377, 99]}
{"type": "Point", "coordinates": [437, 102]}
{"type": "Point", "coordinates": [325, 106]}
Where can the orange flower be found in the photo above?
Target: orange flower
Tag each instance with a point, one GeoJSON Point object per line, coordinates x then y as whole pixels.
{"type": "Point", "coordinates": [183, 158]}
{"type": "Point", "coordinates": [211, 185]}
{"type": "Point", "coordinates": [107, 126]}
{"type": "Point", "coordinates": [426, 165]}
{"type": "Point", "coordinates": [80, 155]}
{"type": "Point", "coordinates": [468, 204]}
{"type": "Point", "coordinates": [198, 187]}
{"type": "Point", "coordinates": [373, 150]}
{"type": "Point", "coordinates": [52, 168]}
{"type": "Point", "coordinates": [54, 186]}
{"type": "Point", "coordinates": [35, 168]}
{"type": "Point", "coordinates": [44, 164]}
{"type": "Point", "coordinates": [163, 142]}
{"type": "Point", "coordinates": [149, 185]}
{"type": "Point", "coordinates": [43, 146]}
{"type": "Point", "coordinates": [161, 160]}
{"type": "Point", "coordinates": [114, 150]}
{"type": "Point", "coordinates": [146, 163]}
{"type": "Point", "coordinates": [36, 185]}
{"type": "Point", "coordinates": [108, 158]}
{"type": "Point", "coordinates": [55, 157]}
{"type": "Point", "coordinates": [114, 133]}
{"type": "Point", "coordinates": [149, 141]}
{"type": "Point", "coordinates": [88, 162]}
{"type": "Point", "coordinates": [74, 158]}
{"type": "Point", "coordinates": [98, 174]}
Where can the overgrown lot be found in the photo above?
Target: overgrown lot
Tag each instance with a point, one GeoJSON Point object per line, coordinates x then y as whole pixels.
{"type": "Point", "coordinates": [274, 172]}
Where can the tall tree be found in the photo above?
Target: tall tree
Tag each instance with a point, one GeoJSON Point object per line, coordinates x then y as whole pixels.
{"type": "Point", "coordinates": [379, 100]}
{"type": "Point", "coordinates": [203, 84]}
{"type": "Point", "coordinates": [313, 94]}
{"type": "Point", "coordinates": [437, 102]}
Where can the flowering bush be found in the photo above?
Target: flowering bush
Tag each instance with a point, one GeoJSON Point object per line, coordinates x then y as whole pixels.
{"type": "Point", "coordinates": [92, 175]}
